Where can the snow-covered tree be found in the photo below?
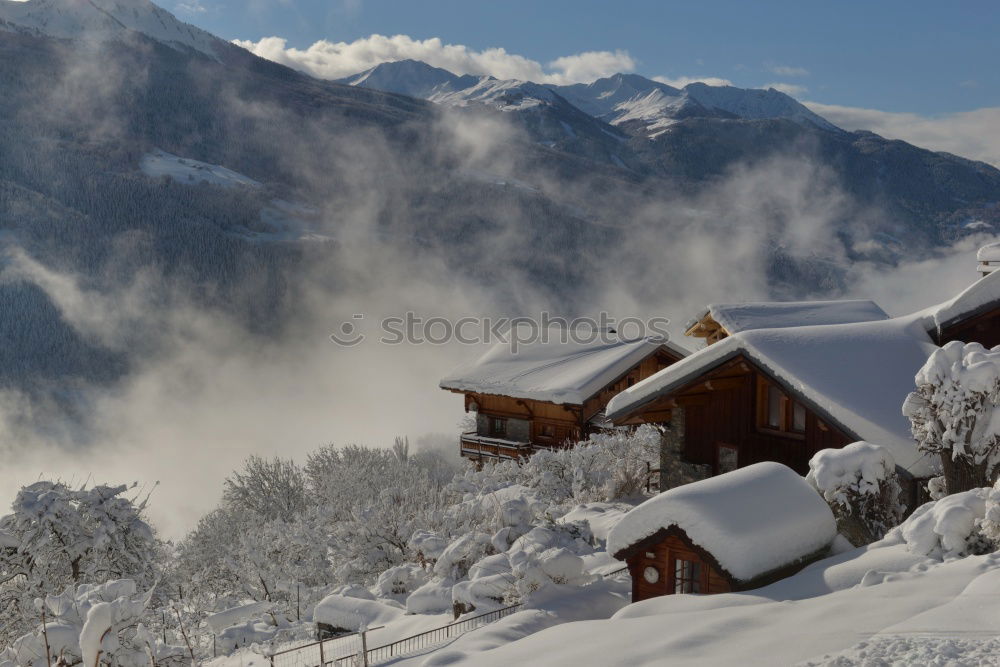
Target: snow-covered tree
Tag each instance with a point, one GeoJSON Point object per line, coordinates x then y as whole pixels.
{"type": "Point", "coordinates": [271, 489]}
{"type": "Point", "coordinates": [861, 486]}
{"type": "Point", "coordinates": [953, 413]}
{"type": "Point", "coordinates": [57, 536]}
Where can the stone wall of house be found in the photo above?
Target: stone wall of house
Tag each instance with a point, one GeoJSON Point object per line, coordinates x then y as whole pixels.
{"type": "Point", "coordinates": [674, 470]}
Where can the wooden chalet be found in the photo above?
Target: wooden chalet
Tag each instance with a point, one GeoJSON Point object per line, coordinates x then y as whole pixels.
{"type": "Point", "coordinates": [548, 393]}
{"type": "Point", "coordinates": [784, 394]}
{"type": "Point", "coordinates": [734, 532]}
{"type": "Point", "coordinates": [781, 381]}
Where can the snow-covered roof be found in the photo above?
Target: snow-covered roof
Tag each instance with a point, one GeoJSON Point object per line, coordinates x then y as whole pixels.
{"type": "Point", "coordinates": [752, 521]}
{"type": "Point", "coordinates": [555, 370]}
{"type": "Point", "coordinates": [975, 299]}
{"type": "Point", "coordinates": [736, 317]}
{"type": "Point", "coordinates": [853, 375]}
{"type": "Point", "coordinates": [989, 253]}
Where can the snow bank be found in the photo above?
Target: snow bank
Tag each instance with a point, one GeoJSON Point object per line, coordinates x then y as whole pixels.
{"type": "Point", "coordinates": [353, 613]}
{"type": "Point", "coordinates": [221, 620]}
{"type": "Point", "coordinates": [601, 517]}
{"type": "Point", "coordinates": [854, 375]}
{"type": "Point", "coordinates": [434, 597]}
{"type": "Point", "coordinates": [860, 466]}
{"type": "Point", "coordinates": [944, 528]}
{"type": "Point", "coordinates": [753, 520]}
{"type": "Point", "coordinates": [556, 371]}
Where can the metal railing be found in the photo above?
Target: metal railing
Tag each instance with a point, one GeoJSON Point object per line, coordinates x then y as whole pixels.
{"type": "Point", "coordinates": [427, 639]}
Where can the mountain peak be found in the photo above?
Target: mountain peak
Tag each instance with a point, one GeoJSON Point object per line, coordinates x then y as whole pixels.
{"type": "Point", "coordinates": [102, 19]}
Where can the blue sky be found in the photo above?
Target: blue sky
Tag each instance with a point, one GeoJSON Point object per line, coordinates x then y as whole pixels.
{"type": "Point", "coordinates": [922, 57]}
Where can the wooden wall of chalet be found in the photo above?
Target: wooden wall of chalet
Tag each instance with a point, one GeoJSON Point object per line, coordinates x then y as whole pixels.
{"type": "Point", "coordinates": [724, 412]}
{"type": "Point", "coordinates": [983, 329]}
{"type": "Point", "coordinates": [649, 366]}
{"type": "Point", "coordinates": [663, 553]}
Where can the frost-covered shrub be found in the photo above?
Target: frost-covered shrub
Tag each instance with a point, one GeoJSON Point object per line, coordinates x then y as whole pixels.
{"type": "Point", "coordinates": [57, 537]}
{"type": "Point", "coordinates": [953, 413]}
{"type": "Point", "coordinates": [954, 526]}
{"type": "Point", "coordinates": [398, 582]}
{"type": "Point", "coordinates": [456, 560]}
{"type": "Point", "coordinates": [434, 597]}
{"type": "Point", "coordinates": [94, 625]}
{"type": "Point", "coordinates": [608, 466]}
{"type": "Point", "coordinates": [860, 484]}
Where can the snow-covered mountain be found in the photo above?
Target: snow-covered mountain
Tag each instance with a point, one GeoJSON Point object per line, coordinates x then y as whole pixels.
{"type": "Point", "coordinates": [103, 19]}
{"type": "Point", "coordinates": [410, 77]}
{"type": "Point", "coordinates": [637, 105]}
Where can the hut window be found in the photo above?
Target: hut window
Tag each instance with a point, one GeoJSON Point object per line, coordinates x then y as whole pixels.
{"type": "Point", "coordinates": [687, 576]}
{"type": "Point", "coordinates": [776, 411]}
{"type": "Point", "coordinates": [775, 406]}
{"type": "Point", "coordinates": [547, 431]}
{"type": "Point", "coordinates": [798, 418]}
{"type": "Point", "coordinates": [498, 426]}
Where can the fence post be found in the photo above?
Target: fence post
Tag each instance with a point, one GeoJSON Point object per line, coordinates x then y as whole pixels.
{"type": "Point", "coordinates": [364, 648]}
{"type": "Point", "coordinates": [322, 660]}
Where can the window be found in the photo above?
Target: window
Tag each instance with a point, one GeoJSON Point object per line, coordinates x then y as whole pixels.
{"type": "Point", "coordinates": [498, 427]}
{"type": "Point", "coordinates": [687, 576]}
{"type": "Point", "coordinates": [775, 407]}
{"type": "Point", "coordinates": [777, 412]}
{"type": "Point", "coordinates": [798, 418]}
{"type": "Point", "coordinates": [547, 431]}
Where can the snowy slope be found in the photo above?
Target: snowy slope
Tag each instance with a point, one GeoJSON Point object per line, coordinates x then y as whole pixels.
{"type": "Point", "coordinates": [633, 102]}
{"type": "Point", "coordinates": [78, 19]}
{"type": "Point", "coordinates": [185, 170]}
{"type": "Point", "coordinates": [755, 104]}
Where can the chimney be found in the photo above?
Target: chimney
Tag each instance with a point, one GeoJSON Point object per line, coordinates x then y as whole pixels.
{"type": "Point", "coordinates": [988, 258]}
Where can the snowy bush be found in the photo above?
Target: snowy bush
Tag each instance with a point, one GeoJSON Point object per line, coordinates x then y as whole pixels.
{"type": "Point", "coordinates": [398, 582]}
{"type": "Point", "coordinates": [862, 488]}
{"type": "Point", "coordinates": [954, 526]}
{"type": "Point", "coordinates": [58, 537]}
{"type": "Point", "coordinates": [953, 413]}
{"type": "Point", "coordinates": [94, 625]}
{"type": "Point", "coordinates": [608, 466]}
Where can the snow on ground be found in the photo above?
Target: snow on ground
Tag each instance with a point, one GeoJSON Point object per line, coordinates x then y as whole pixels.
{"type": "Point", "coordinates": [185, 170]}
{"type": "Point", "coordinates": [886, 600]}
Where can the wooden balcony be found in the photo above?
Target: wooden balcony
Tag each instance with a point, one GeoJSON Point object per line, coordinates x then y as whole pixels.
{"type": "Point", "coordinates": [481, 447]}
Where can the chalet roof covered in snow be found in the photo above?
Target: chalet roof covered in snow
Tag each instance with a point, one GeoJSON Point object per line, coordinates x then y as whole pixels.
{"type": "Point", "coordinates": [555, 370]}
{"type": "Point", "coordinates": [977, 298]}
{"type": "Point", "coordinates": [737, 317]}
{"type": "Point", "coordinates": [853, 375]}
{"type": "Point", "coordinates": [752, 521]}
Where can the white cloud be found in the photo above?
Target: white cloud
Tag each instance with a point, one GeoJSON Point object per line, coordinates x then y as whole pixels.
{"type": "Point", "coordinates": [788, 88]}
{"type": "Point", "coordinates": [191, 7]}
{"type": "Point", "coordinates": [334, 60]}
{"type": "Point", "coordinates": [681, 81]}
{"type": "Point", "coordinates": [785, 70]}
{"type": "Point", "coordinates": [972, 134]}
